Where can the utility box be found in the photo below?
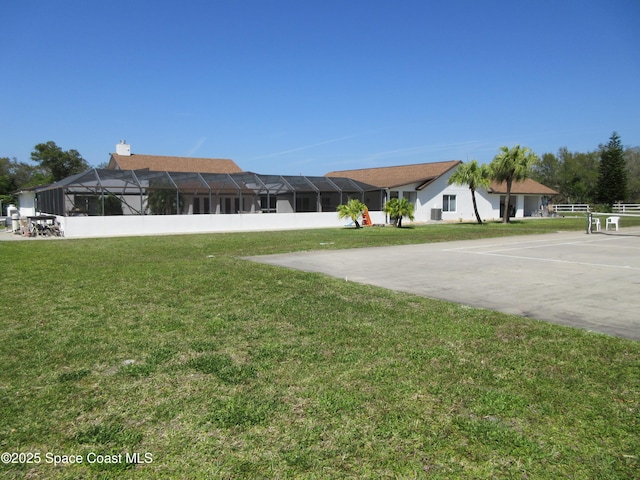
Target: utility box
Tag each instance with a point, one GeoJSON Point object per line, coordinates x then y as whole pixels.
{"type": "Point", "coordinates": [436, 214]}
{"type": "Point", "coordinates": [13, 216]}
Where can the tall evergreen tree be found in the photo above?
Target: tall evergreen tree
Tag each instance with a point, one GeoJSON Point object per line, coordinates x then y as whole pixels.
{"type": "Point", "coordinates": [612, 179]}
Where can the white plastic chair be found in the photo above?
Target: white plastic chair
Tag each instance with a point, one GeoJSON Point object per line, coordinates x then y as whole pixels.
{"type": "Point", "coordinates": [596, 221]}
{"type": "Point", "coordinates": [612, 221]}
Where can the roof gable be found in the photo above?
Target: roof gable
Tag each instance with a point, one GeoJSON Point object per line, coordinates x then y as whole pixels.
{"type": "Point", "coordinates": [389, 177]}
{"type": "Point", "coordinates": [525, 187]}
{"type": "Point", "coordinates": [425, 173]}
{"type": "Point", "coordinates": [172, 164]}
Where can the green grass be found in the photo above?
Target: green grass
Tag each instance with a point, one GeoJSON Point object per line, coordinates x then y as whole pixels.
{"type": "Point", "coordinates": [223, 368]}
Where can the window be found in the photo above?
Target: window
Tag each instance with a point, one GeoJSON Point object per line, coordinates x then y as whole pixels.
{"type": "Point", "coordinates": [410, 196]}
{"type": "Point", "coordinates": [448, 203]}
{"type": "Point", "coordinates": [306, 203]}
{"type": "Point", "coordinates": [268, 203]}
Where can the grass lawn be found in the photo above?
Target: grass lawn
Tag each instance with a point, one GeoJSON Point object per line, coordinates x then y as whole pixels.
{"type": "Point", "coordinates": [209, 366]}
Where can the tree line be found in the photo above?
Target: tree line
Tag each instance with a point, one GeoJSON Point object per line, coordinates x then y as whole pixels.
{"type": "Point", "coordinates": [50, 164]}
{"type": "Point", "coordinates": [606, 175]}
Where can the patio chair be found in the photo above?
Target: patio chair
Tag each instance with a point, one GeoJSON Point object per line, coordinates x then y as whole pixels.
{"type": "Point", "coordinates": [612, 221]}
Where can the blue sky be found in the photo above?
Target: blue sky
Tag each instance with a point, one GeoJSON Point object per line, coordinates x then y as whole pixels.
{"type": "Point", "coordinates": [311, 86]}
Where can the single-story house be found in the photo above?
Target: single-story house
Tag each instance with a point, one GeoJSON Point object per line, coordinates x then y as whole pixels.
{"type": "Point", "coordinates": [426, 186]}
{"type": "Point", "coordinates": [150, 194]}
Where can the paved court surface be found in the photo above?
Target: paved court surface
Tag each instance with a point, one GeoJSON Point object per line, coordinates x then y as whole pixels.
{"type": "Point", "coordinates": [585, 281]}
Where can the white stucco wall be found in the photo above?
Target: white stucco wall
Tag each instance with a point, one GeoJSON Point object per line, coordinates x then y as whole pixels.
{"type": "Point", "coordinates": [123, 225]}
{"type": "Point", "coordinates": [432, 196]}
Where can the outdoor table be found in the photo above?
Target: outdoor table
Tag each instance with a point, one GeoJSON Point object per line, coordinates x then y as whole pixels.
{"type": "Point", "coordinates": [40, 224]}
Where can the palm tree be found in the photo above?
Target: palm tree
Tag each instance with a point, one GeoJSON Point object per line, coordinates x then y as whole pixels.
{"type": "Point", "coordinates": [512, 164]}
{"type": "Point", "coordinates": [397, 209]}
{"type": "Point", "coordinates": [352, 209]}
{"type": "Point", "coordinates": [475, 176]}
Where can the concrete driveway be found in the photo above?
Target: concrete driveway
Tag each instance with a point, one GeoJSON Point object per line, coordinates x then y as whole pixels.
{"type": "Point", "coordinates": [584, 281]}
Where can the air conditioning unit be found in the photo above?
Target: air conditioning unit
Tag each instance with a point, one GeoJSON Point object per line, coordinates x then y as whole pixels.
{"type": "Point", "coordinates": [436, 214]}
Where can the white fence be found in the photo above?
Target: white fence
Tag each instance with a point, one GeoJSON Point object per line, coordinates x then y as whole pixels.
{"type": "Point", "coordinates": [585, 207]}
{"type": "Point", "coordinates": [626, 208]}
{"type": "Point", "coordinates": [130, 225]}
{"type": "Point", "coordinates": [571, 207]}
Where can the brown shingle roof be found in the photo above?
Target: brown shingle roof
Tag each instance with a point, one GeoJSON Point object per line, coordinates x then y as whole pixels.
{"type": "Point", "coordinates": [172, 164]}
{"type": "Point", "coordinates": [389, 177]}
{"type": "Point", "coordinates": [528, 186]}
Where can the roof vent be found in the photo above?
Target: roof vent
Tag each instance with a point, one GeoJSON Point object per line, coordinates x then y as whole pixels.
{"type": "Point", "coordinates": [123, 148]}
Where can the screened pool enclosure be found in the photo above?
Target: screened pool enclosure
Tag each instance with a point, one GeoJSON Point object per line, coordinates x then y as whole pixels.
{"type": "Point", "coordinates": [146, 192]}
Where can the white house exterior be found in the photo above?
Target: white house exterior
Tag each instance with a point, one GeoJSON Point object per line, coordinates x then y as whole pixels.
{"type": "Point", "coordinates": [427, 187]}
{"type": "Point", "coordinates": [439, 200]}
{"type": "Point", "coordinates": [216, 195]}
